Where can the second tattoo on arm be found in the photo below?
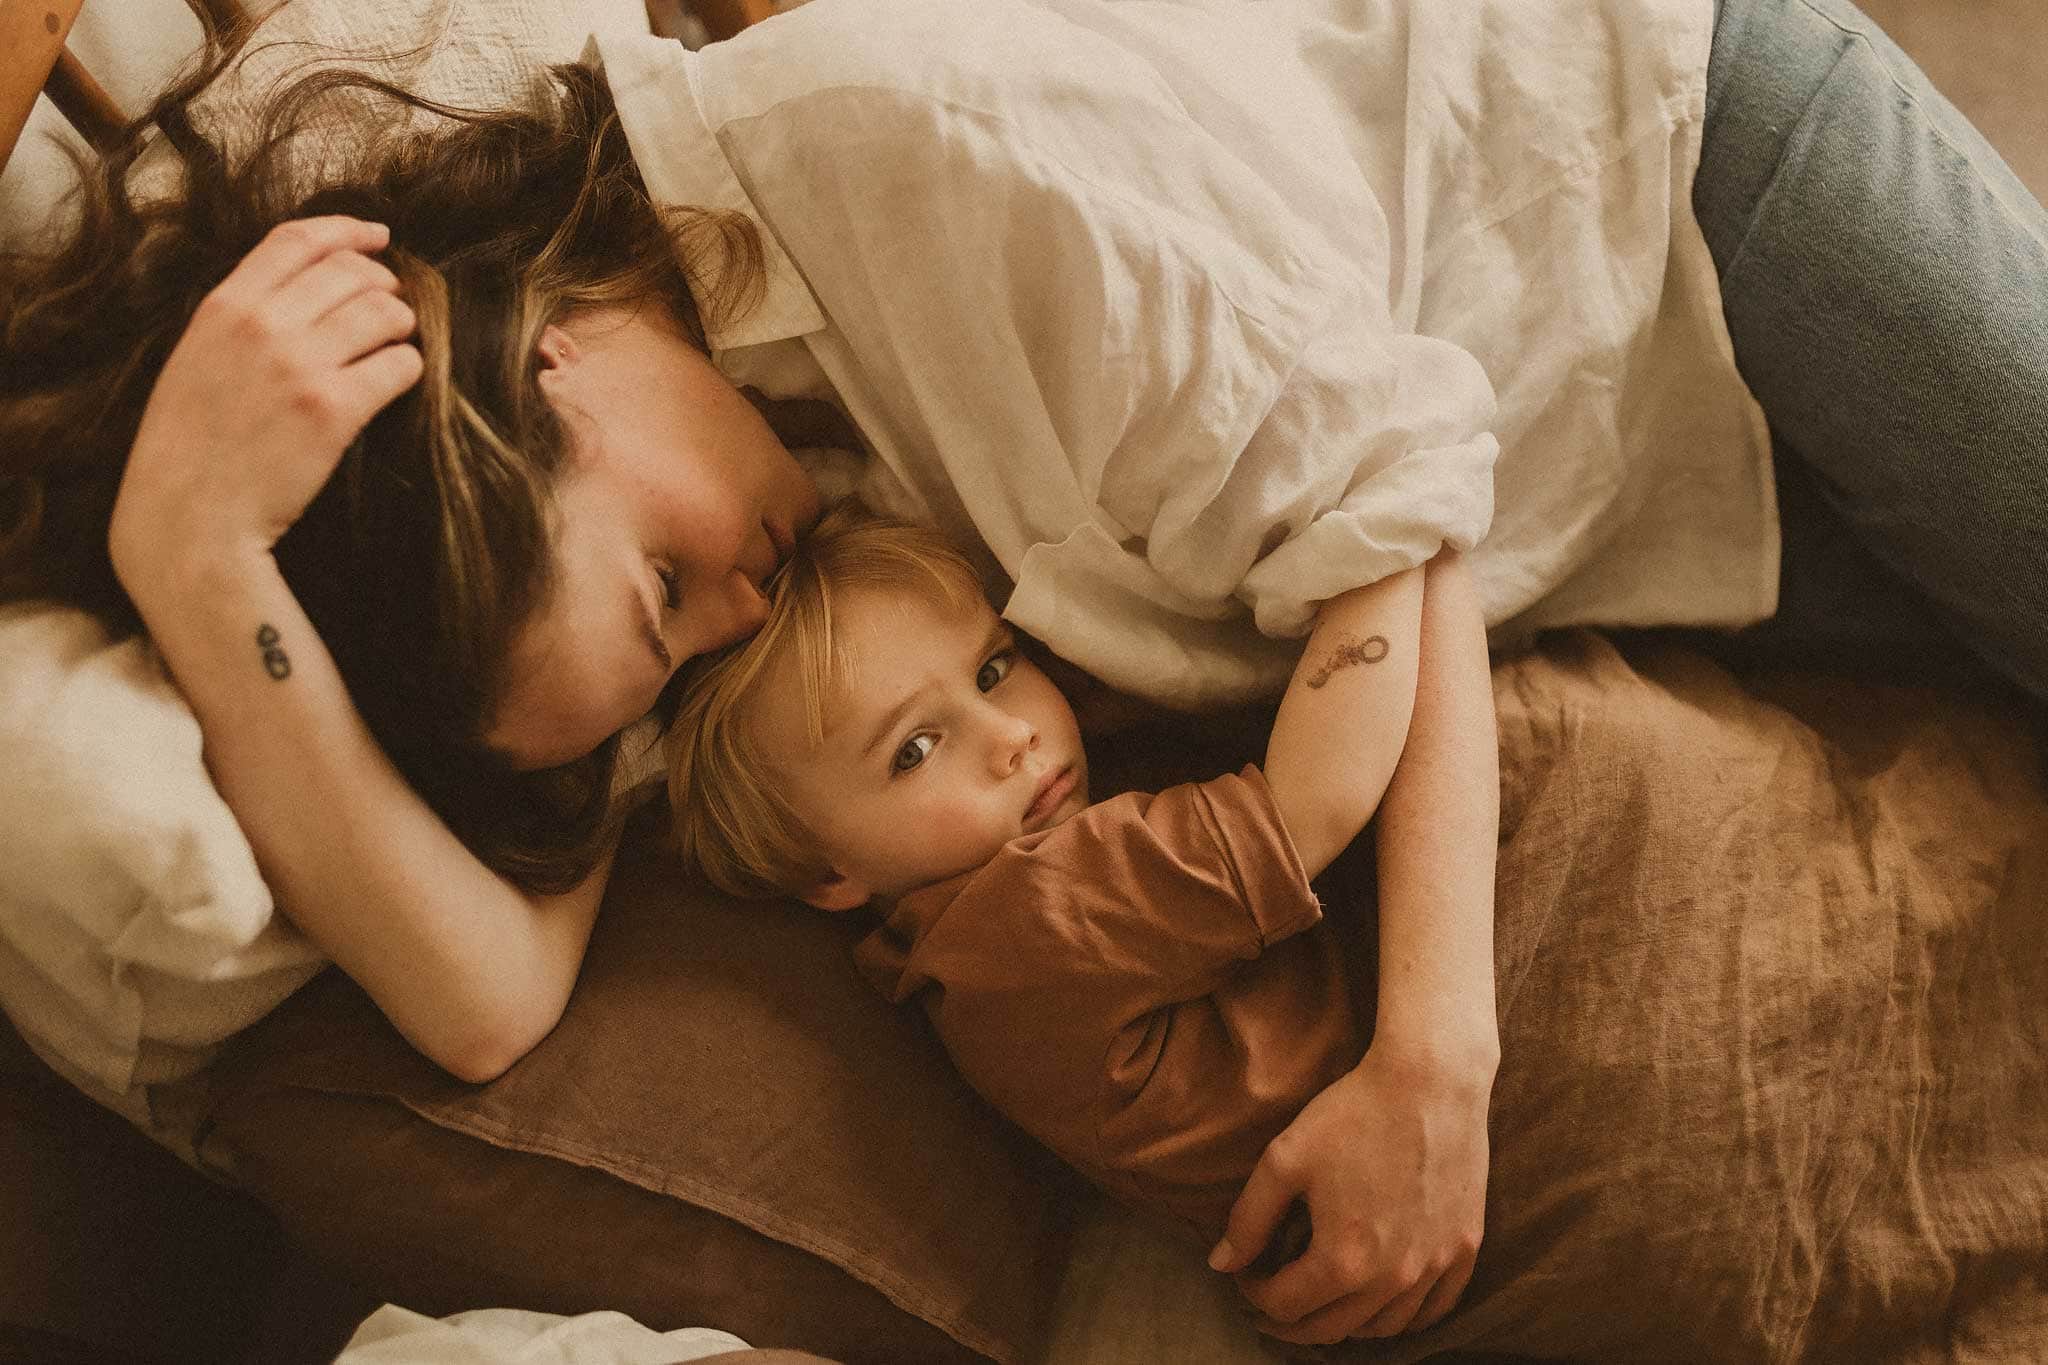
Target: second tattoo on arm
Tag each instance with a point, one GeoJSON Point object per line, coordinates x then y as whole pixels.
{"type": "Point", "coordinates": [1350, 651]}
{"type": "Point", "coordinates": [276, 662]}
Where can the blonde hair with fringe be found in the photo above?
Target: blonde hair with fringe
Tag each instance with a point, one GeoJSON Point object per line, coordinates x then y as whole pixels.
{"type": "Point", "coordinates": [730, 821]}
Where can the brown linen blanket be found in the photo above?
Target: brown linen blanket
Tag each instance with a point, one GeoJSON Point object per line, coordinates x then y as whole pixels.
{"type": "Point", "coordinates": [1773, 992]}
{"type": "Point", "coordinates": [1771, 962]}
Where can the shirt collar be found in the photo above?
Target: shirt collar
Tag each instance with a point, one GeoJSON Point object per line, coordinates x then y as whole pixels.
{"type": "Point", "coordinates": [656, 83]}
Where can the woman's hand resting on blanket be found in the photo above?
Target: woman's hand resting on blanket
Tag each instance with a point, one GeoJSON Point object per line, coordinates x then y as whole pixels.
{"type": "Point", "coordinates": [281, 365]}
{"type": "Point", "coordinates": [1391, 1161]}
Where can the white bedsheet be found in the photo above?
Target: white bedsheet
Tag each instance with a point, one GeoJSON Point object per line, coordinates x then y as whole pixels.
{"type": "Point", "coordinates": [514, 1336]}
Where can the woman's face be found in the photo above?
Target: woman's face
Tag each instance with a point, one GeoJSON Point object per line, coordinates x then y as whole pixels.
{"type": "Point", "coordinates": [676, 503]}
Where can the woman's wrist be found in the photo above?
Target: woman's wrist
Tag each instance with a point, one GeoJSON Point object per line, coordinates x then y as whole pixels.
{"type": "Point", "coordinates": [188, 567]}
{"type": "Point", "coordinates": [1449, 1059]}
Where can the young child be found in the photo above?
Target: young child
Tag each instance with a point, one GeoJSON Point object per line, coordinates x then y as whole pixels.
{"type": "Point", "coordinates": [1139, 983]}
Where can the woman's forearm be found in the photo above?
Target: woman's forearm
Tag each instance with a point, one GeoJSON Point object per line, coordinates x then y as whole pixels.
{"type": "Point", "coordinates": [470, 969]}
{"type": "Point", "coordinates": [1438, 835]}
{"type": "Point", "coordinates": [1344, 719]}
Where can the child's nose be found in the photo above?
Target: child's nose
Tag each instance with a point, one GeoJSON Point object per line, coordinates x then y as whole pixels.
{"type": "Point", "coordinates": [1014, 737]}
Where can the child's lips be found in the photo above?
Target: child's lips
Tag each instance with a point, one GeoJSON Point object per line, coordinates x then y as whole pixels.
{"type": "Point", "coordinates": [1052, 790]}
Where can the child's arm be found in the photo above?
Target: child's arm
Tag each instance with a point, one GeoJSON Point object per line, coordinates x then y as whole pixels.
{"type": "Point", "coordinates": [1344, 720]}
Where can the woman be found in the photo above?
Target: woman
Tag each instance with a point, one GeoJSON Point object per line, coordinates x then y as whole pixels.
{"type": "Point", "coordinates": [559, 495]}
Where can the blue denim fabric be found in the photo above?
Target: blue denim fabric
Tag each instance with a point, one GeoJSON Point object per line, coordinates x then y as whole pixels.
{"type": "Point", "coordinates": [1885, 279]}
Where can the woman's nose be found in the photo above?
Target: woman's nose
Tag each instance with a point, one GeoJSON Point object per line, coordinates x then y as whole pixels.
{"type": "Point", "coordinates": [736, 610]}
{"type": "Point", "coordinates": [1012, 737]}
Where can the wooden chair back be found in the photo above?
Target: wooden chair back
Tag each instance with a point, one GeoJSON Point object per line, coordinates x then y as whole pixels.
{"type": "Point", "coordinates": [34, 59]}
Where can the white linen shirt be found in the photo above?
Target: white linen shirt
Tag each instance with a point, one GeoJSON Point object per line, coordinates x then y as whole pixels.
{"type": "Point", "coordinates": [1186, 310]}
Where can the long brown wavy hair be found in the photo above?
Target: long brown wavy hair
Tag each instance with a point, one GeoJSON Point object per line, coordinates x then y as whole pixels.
{"type": "Point", "coordinates": [431, 545]}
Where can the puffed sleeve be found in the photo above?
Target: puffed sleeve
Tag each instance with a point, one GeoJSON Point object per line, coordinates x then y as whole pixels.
{"type": "Point", "coordinates": [1048, 971]}
{"type": "Point", "coordinates": [1139, 902]}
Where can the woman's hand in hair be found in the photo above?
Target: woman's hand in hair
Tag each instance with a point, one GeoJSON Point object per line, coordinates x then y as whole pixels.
{"type": "Point", "coordinates": [281, 365]}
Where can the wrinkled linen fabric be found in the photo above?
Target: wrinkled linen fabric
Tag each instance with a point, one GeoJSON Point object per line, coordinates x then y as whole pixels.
{"type": "Point", "coordinates": [1197, 314]}
{"type": "Point", "coordinates": [136, 932]}
{"type": "Point", "coordinates": [1771, 966]}
{"type": "Point", "coordinates": [1774, 1078]}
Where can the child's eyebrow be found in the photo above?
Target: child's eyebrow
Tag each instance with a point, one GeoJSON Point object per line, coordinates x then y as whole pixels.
{"type": "Point", "coordinates": [891, 721]}
{"type": "Point", "coordinates": [998, 638]}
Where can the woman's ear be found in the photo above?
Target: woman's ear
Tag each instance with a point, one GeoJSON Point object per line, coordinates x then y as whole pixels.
{"type": "Point", "coordinates": [835, 892]}
{"type": "Point", "coordinates": [557, 348]}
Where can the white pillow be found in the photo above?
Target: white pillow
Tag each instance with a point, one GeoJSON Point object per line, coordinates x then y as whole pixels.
{"type": "Point", "coordinates": [135, 931]}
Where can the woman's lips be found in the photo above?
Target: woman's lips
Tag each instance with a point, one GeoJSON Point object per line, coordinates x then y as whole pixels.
{"type": "Point", "coordinates": [1051, 792]}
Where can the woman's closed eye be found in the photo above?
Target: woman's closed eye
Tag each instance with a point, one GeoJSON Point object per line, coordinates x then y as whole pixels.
{"type": "Point", "coordinates": [671, 586]}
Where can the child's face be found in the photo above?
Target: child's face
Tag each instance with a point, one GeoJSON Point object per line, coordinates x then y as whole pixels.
{"type": "Point", "coordinates": [941, 745]}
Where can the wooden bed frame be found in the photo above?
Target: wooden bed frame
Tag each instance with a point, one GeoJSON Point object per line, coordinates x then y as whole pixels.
{"type": "Point", "coordinates": [38, 62]}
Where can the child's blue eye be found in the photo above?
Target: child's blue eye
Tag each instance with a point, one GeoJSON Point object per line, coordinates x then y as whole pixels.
{"type": "Point", "coordinates": [914, 751]}
{"type": "Point", "coordinates": [994, 671]}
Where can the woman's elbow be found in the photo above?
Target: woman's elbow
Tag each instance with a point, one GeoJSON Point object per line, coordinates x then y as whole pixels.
{"type": "Point", "coordinates": [492, 1045]}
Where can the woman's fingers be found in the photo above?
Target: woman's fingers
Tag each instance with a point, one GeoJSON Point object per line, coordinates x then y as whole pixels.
{"type": "Point", "coordinates": [1380, 1308]}
{"type": "Point", "coordinates": [1326, 1325]}
{"type": "Point", "coordinates": [292, 246]}
{"type": "Point", "coordinates": [330, 283]}
{"type": "Point", "coordinates": [1443, 1297]}
{"type": "Point", "coordinates": [1255, 1217]}
{"type": "Point", "coordinates": [1305, 1286]}
{"type": "Point", "coordinates": [375, 380]}
{"type": "Point", "coordinates": [1395, 1316]}
{"type": "Point", "coordinates": [361, 324]}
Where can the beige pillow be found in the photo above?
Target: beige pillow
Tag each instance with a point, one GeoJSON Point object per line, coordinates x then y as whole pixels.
{"type": "Point", "coordinates": [727, 1129]}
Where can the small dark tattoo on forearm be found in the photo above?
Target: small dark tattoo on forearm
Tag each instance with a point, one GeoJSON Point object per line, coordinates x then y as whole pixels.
{"type": "Point", "coordinates": [275, 661]}
{"type": "Point", "coordinates": [1352, 651]}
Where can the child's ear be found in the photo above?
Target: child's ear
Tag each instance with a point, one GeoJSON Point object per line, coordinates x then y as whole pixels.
{"type": "Point", "coordinates": [834, 891]}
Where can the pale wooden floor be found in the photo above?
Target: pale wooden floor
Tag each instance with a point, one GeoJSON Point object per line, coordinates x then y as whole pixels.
{"type": "Point", "coordinates": [1990, 57]}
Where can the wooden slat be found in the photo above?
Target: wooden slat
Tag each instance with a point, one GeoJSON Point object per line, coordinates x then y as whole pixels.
{"type": "Point", "coordinates": [31, 37]}
{"type": "Point", "coordinates": [85, 102]}
{"type": "Point", "coordinates": [723, 18]}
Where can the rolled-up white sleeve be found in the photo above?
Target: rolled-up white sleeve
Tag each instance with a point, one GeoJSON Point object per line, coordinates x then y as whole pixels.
{"type": "Point", "coordinates": [1373, 454]}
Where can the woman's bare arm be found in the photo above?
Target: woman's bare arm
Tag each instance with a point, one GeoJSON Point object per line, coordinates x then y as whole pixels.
{"type": "Point", "coordinates": [471, 970]}
{"type": "Point", "coordinates": [1391, 1159]}
{"type": "Point", "coordinates": [1438, 842]}
{"type": "Point", "coordinates": [280, 367]}
{"type": "Point", "coordinates": [1344, 719]}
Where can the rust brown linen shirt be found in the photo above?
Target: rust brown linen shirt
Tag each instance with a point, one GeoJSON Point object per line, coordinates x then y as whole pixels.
{"type": "Point", "coordinates": [1147, 989]}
